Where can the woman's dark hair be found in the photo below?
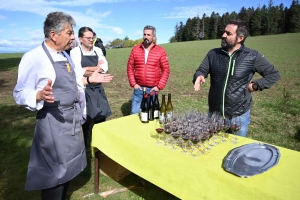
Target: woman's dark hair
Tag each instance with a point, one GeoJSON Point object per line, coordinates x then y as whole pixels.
{"type": "Point", "coordinates": [84, 29]}
{"type": "Point", "coordinates": [242, 28]}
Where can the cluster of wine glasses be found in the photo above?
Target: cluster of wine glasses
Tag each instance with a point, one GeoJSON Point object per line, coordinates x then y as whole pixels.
{"type": "Point", "coordinates": [196, 132]}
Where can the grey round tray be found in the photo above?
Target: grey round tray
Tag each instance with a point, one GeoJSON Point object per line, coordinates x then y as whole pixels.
{"type": "Point", "coordinates": [251, 159]}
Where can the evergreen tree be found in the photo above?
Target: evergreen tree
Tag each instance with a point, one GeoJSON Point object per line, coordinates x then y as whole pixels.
{"type": "Point", "coordinates": [255, 23]}
{"type": "Point", "coordinates": [294, 17]}
{"type": "Point", "coordinates": [264, 20]}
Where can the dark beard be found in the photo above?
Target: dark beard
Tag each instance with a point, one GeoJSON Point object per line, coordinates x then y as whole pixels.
{"type": "Point", "coordinates": [225, 45]}
{"type": "Point", "coordinates": [147, 42]}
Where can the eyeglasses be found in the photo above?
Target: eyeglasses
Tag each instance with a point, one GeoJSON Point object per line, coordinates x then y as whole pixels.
{"type": "Point", "coordinates": [89, 38]}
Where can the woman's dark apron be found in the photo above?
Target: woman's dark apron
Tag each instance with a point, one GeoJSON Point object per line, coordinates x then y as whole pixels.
{"type": "Point", "coordinates": [58, 152]}
{"type": "Point", "coordinates": [97, 106]}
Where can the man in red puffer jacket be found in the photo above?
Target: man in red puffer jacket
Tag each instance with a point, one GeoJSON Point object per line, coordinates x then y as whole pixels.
{"type": "Point", "coordinates": [148, 67]}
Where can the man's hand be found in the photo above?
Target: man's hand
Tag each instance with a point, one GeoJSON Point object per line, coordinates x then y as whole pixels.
{"type": "Point", "coordinates": [100, 62]}
{"type": "Point", "coordinates": [46, 93]}
{"type": "Point", "coordinates": [154, 89]}
{"type": "Point", "coordinates": [137, 86]}
{"type": "Point", "coordinates": [199, 81]}
{"type": "Point", "coordinates": [100, 78]}
{"type": "Point", "coordinates": [250, 88]}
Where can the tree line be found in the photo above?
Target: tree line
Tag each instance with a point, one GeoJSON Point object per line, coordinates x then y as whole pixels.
{"type": "Point", "coordinates": [265, 20]}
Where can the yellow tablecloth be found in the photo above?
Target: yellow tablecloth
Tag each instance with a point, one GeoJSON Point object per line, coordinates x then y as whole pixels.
{"type": "Point", "coordinates": [127, 141]}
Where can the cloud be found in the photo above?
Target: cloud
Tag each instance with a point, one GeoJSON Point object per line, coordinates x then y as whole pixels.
{"type": "Point", "coordinates": [138, 33]}
{"type": "Point", "coordinates": [18, 44]}
{"type": "Point", "coordinates": [42, 8]}
{"type": "Point", "coordinates": [36, 34]}
{"type": "Point", "coordinates": [118, 31]}
{"type": "Point", "coordinates": [97, 14]}
{"type": "Point", "coordinates": [2, 17]}
{"type": "Point", "coordinates": [193, 11]}
{"type": "Point", "coordinates": [1, 31]}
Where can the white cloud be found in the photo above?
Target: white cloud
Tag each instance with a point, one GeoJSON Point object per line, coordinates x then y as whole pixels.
{"type": "Point", "coordinates": [117, 31]}
{"type": "Point", "coordinates": [97, 14]}
{"type": "Point", "coordinates": [138, 33]}
{"type": "Point", "coordinates": [1, 31]}
{"type": "Point", "coordinates": [2, 17]}
{"type": "Point", "coordinates": [42, 7]}
{"type": "Point", "coordinates": [36, 34]}
{"type": "Point", "coordinates": [19, 44]}
{"type": "Point", "coordinates": [193, 11]}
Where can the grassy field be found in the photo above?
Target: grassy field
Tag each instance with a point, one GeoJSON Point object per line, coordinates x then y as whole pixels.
{"type": "Point", "coordinates": [275, 114]}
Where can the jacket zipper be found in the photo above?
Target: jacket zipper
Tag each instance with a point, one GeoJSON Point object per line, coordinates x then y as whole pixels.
{"type": "Point", "coordinates": [225, 86]}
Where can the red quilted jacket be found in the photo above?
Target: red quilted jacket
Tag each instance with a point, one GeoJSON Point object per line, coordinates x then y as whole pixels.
{"type": "Point", "coordinates": [154, 73]}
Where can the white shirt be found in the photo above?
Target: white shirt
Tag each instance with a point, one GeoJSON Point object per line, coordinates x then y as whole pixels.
{"type": "Point", "coordinates": [146, 54]}
{"type": "Point", "coordinates": [34, 71]}
{"type": "Point", "coordinates": [76, 57]}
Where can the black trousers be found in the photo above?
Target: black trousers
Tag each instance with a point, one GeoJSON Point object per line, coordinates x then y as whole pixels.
{"type": "Point", "coordinates": [87, 128]}
{"type": "Point", "coordinates": [58, 192]}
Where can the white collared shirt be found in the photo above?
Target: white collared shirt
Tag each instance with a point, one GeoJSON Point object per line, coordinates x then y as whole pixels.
{"type": "Point", "coordinates": [35, 69]}
{"type": "Point", "coordinates": [76, 58]}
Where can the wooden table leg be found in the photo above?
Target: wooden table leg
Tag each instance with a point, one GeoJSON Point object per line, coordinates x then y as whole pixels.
{"type": "Point", "coordinates": [96, 172]}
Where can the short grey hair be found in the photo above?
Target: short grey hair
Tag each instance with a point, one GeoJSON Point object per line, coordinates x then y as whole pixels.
{"type": "Point", "coordinates": [152, 28]}
{"type": "Point", "coordinates": [56, 21]}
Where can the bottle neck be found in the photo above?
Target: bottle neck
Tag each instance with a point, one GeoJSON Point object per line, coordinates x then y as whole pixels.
{"type": "Point", "coordinates": [163, 100]}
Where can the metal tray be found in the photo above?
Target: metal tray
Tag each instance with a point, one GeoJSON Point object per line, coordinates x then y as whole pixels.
{"type": "Point", "coordinates": [251, 159]}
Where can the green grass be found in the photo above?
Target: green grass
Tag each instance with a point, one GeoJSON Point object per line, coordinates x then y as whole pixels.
{"type": "Point", "coordinates": [275, 115]}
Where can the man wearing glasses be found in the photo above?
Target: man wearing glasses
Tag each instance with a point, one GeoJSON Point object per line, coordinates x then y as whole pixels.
{"type": "Point", "coordinates": [87, 58]}
{"type": "Point", "coordinates": [147, 67]}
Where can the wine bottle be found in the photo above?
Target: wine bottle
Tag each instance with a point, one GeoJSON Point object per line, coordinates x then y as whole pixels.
{"type": "Point", "coordinates": [156, 106]}
{"type": "Point", "coordinates": [145, 109]}
{"type": "Point", "coordinates": [151, 107]}
{"type": "Point", "coordinates": [144, 92]}
{"type": "Point", "coordinates": [169, 107]}
{"type": "Point", "coordinates": [162, 111]}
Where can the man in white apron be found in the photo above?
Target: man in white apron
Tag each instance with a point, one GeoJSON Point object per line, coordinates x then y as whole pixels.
{"type": "Point", "coordinates": [47, 83]}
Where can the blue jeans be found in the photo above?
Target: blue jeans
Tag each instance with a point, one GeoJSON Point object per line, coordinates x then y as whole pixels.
{"type": "Point", "coordinates": [245, 121]}
{"type": "Point", "coordinates": [137, 99]}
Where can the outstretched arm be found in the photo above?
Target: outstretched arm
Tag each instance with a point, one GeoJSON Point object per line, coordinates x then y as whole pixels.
{"type": "Point", "coordinates": [199, 81]}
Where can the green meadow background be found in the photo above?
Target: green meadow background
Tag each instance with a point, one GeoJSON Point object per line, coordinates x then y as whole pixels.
{"type": "Point", "coordinates": [275, 113]}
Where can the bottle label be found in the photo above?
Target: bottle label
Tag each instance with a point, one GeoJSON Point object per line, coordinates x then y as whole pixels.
{"type": "Point", "coordinates": [156, 114]}
{"type": "Point", "coordinates": [169, 114]}
{"type": "Point", "coordinates": [162, 117]}
{"type": "Point", "coordinates": [144, 117]}
{"type": "Point", "coordinates": [151, 115]}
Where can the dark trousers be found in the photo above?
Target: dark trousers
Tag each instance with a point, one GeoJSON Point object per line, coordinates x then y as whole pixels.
{"type": "Point", "coordinates": [87, 128]}
{"type": "Point", "coordinates": [58, 192]}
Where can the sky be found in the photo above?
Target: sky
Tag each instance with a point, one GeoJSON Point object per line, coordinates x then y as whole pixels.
{"type": "Point", "coordinates": [21, 21]}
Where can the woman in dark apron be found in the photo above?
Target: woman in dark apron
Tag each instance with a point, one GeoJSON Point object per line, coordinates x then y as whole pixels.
{"type": "Point", "coordinates": [97, 106]}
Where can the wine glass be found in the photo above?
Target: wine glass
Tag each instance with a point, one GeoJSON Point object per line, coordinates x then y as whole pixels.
{"type": "Point", "coordinates": [195, 139]}
{"type": "Point", "coordinates": [168, 131]}
{"type": "Point", "coordinates": [159, 128]}
{"type": "Point", "coordinates": [235, 126]}
{"type": "Point", "coordinates": [175, 134]}
{"type": "Point", "coordinates": [185, 137]}
{"type": "Point", "coordinates": [225, 127]}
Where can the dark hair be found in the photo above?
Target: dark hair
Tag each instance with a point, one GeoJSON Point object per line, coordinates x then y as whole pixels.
{"type": "Point", "coordinates": [56, 21]}
{"type": "Point", "coordinates": [242, 28]}
{"type": "Point", "coordinates": [94, 33]}
{"type": "Point", "coordinates": [84, 29]}
{"type": "Point", "coordinates": [148, 27]}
